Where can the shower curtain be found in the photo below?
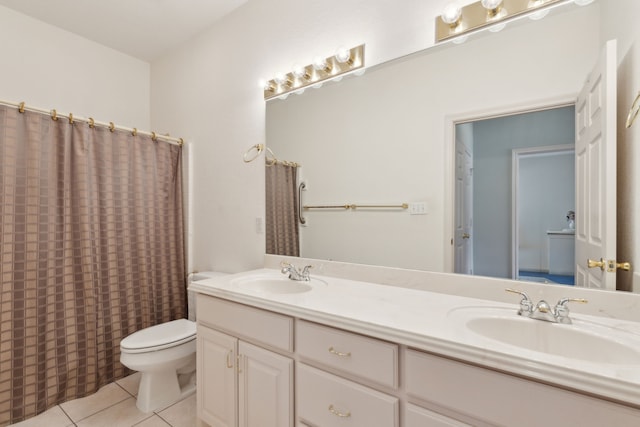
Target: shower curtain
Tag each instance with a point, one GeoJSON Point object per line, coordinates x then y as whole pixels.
{"type": "Point", "coordinates": [91, 250]}
{"type": "Point", "coordinates": [282, 236]}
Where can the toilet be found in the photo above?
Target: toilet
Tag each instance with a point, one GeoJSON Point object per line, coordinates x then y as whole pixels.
{"type": "Point", "coordinates": [165, 355]}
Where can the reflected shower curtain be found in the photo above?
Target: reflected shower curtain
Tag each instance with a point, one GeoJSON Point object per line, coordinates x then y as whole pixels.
{"type": "Point", "coordinates": [282, 210]}
{"type": "Point", "coordinates": [91, 250]}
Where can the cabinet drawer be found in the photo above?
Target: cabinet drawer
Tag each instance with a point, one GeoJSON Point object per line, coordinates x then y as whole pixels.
{"type": "Point", "coordinates": [242, 321]}
{"type": "Point", "coordinates": [503, 399]}
{"type": "Point", "coordinates": [415, 416]}
{"type": "Point", "coordinates": [353, 354]}
{"type": "Point", "coordinates": [327, 400]}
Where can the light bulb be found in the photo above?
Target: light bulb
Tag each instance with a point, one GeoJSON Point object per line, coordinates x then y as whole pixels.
{"type": "Point", "coordinates": [300, 72]}
{"type": "Point", "coordinates": [280, 78]}
{"type": "Point", "coordinates": [497, 27]}
{"type": "Point", "coordinates": [461, 39]}
{"type": "Point", "coordinates": [536, 16]}
{"type": "Point", "coordinates": [360, 71]}
{"type": "Point", "coordinates": [265, 85]}
{"type": "Point", "coordinates": [451, 14]}
{"type": "Point", "coordinates": [320, 64]}
{"type": "Point", "coordinates": [491, 4]}
{"type": "Point", "coordinates": [343, 55]}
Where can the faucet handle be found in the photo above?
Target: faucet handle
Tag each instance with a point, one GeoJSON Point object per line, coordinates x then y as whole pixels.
{"type": "Point", "coordinates": [526, 305]}
{"type": "Point", "coordinates": [562, 311]}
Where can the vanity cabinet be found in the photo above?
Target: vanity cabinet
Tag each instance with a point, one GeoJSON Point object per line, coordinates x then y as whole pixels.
{"type": "Point", "coordinates": [247, 358]}
{"type": "Point", "coordinates": [489, 397]}
{"type": "Point", "coordinates": [240, 383]}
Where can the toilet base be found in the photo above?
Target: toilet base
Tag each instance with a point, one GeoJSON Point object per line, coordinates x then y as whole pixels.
{"type": "Point", "coordinates": [160, 389]}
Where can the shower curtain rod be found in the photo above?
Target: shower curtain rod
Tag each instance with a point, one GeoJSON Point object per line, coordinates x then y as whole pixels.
{"type": "Point", "coordinates": [91, 122]}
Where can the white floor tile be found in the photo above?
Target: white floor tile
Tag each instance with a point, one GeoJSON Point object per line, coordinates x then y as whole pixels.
{"type": "Point", "coordinates": [131, 383]}
{"type": "Point", "coordinates": [54, 417]}
{"type": "Point", "coordinates": [107, 396]}
{"type": "Point", "coordinates": [123, 414]}
{"type": "Point", "coordinates": [181, 414]}
{"type": "Point", "coordinates": [153, 421]}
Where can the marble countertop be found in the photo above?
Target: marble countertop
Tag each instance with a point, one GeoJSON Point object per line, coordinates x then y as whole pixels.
{"type": "Point", "coordinates": [433, 322]}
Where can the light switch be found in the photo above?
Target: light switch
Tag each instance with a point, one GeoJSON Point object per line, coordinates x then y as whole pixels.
{"type": "Point", "coordinates": [418, 208]}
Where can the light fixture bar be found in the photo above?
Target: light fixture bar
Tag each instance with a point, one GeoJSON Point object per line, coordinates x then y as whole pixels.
{"type": "Point", "coordinates": [324, 69]}
{"type": "Point", "coordinates": [475, 16]}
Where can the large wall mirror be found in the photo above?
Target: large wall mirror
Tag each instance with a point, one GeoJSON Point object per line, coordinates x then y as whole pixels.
{"type": "Point", "coordinates": [388, 138]}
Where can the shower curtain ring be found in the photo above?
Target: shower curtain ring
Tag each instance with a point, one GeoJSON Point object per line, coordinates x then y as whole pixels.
{"type": "Point", "coordinates": [70, 118]}
{"type": "Point", "coordinates": [112, 127]}
{"type": "Point", "coordinates": [134, 132]}
{"type": "Point", "coordinates": [54, 115]}
{"type": "Point", "coordinates": [21, 107]}
{"type": "Point", "coordinates": [92, 123]}
{"type": "Point", "coordinates": [154, 137]}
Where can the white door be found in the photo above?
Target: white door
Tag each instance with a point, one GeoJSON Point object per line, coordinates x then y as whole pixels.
{"type": "Point", "coordinates": [265, 388]}
{"type": "Point", "coordinates": [596, 175]}
{"type": "Point", "coordinates": [463, 247]}
{"type": "Point", "coordinates": [217, 385]}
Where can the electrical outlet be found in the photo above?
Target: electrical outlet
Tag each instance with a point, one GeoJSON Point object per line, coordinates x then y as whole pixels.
{"type": "Point", "coordinates": [418, 208]}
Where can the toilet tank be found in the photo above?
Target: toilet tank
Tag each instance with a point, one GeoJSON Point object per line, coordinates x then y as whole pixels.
{"type": "Point", "coordinates": [191, 297]}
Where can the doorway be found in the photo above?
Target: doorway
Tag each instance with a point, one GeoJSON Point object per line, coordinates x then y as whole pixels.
{"type": "Point", "coordinates": [487, 211]}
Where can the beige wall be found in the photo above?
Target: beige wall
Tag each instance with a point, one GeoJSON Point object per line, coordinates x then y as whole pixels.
{"type": "Point", "coordinates": [49, 68]}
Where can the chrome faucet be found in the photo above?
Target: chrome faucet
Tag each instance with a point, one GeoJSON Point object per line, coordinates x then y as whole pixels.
{"type": "Point", "coordinates": [543, 311]}
{"type": "Point", "coordinates": [294, 273]}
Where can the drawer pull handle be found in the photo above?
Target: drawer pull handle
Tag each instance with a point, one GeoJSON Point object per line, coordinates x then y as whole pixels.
{"type": "Point", "coordinates": [229, 359]}
{"type": "Point", "coordinates": [338, 353]}
{"type": "Point", "coordinates": [337, 413]}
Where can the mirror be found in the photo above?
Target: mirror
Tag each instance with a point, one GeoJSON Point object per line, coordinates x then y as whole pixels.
{"type": "Point", "coordinates": [387, 137]}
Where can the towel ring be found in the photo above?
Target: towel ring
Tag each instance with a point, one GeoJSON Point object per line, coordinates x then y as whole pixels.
{"type": "Point", "coordinates": [633, 112]}
{"type": "Point", "coordinates": [249, 156]}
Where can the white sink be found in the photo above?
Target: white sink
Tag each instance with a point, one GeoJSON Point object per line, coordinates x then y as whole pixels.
{"type": "Point", "coordinates": [273, 284]}
{"type": "Point", "coordinates": [583, 340]}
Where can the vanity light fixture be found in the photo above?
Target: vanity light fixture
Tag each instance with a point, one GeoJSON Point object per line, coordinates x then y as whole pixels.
{"type": "Point", "coordinates": [322, 69]}
{"type": "Point", "coordinates": [490, 14]}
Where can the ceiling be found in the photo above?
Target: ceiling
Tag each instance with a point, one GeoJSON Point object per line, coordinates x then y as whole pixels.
{"type": "Point", "coordinates": [144, 29]}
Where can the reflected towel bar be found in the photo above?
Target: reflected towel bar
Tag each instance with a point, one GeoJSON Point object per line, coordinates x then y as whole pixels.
{"type": "Point", "coordinates": [354, 206]}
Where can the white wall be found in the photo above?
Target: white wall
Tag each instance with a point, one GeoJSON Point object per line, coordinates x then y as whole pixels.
{"type": "Point", "coordinates": [207, 91]}
{"type": "Point", "coordinates": [49, 68]}
{"type": "Point", "coordinates": [546, 193]}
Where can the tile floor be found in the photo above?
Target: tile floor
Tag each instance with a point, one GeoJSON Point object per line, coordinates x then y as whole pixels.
{"type": "Point", "coordinates": [114, 405]}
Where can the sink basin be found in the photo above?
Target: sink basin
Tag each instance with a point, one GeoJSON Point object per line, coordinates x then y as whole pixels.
{"type": "Point", "coordinates": [587, 341]}
{"type": "Point", "coordinates": [276, 284]}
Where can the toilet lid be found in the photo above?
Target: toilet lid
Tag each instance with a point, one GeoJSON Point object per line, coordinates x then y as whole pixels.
{"type": "Point", "coordinates": [160, 336]}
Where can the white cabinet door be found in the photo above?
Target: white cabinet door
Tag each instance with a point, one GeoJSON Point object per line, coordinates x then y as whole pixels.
{"type": "Point", "coordinates": [217, 380]}
{"type": "Point", "coordinates": [265, 386]}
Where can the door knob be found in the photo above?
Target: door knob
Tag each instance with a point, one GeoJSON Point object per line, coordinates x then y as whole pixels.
{"type": "Point", "coordinates": [466, 235]}
{"type": "Point", "coordinates": [626, 266]}
{"type": "Point", "coordinates": [600, 264]}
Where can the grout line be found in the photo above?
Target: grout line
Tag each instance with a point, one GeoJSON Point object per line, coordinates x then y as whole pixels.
{"type": "Point", "coordinates": [101, 410]}
{"type": "Point", "coordinates": [127, 391]}
{"type": "Point", "coordinates": [67, 415]}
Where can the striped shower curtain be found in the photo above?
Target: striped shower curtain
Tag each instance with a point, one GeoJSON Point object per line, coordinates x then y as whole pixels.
{"type": "Point", "coordinates": [282, 236]}
{"type": "Point", "coordinates": [91, 250]}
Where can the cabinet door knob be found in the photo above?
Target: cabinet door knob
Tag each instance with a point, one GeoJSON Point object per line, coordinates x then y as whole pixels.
{"type": "Point", "coordinates": [338, 353]}
{"type": "Point", "coordinates": [337, 413]}
{"type": "Point", "coordinates": [230, 359]}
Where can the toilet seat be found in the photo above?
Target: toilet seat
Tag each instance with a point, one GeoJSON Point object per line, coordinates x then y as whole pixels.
{"type": "Point", "coordinates": [159, 337]}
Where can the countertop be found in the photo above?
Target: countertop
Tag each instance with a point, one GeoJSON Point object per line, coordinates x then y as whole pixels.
{"type": "Point", "coordinates": [431, 322]}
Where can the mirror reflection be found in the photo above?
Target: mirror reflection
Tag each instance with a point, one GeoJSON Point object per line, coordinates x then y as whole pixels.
{"type": "Point", "coordinates": [388, 138]}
